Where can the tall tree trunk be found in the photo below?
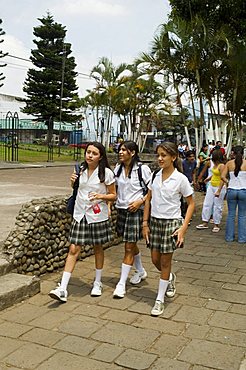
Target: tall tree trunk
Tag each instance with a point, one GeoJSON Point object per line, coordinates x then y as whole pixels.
{"type": "Point", "coordinates": [187, 137]}
{"type": "Point", "coordinates": [197, 143]}
{"type": "Point", "coordinates": [218, 109]}
{"type": "Point", "coordinates": [202, 117]}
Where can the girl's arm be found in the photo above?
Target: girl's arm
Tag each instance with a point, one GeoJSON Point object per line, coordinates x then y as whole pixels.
{"type": "Point", "coordinates": [207, 179]}
{"type": "Point", "coordinates": [182, 230]}
{"type": "Point", "coordinates": [203, 171]}
{"type": "Point", "coordinates": [109, 197]}
{"type": "Point", "coordinates": [225, 173]}
{"type": "Point", "coordinates": [134, 206]}
{"type": "Point", "coordinates": [146, 216]}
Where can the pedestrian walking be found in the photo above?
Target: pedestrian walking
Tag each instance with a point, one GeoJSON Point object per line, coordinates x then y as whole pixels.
{"type": "Point", "coordinates": [165, 230]}
{"type": "Point", "coordinates": [189, 165]}
{"type": "Point", "coordinates": [132, 178]}
{"type": "Point", "coordinates": [215, 195]}
{"type": "Point", "coordinates": [236, 195]}
{"type": "Point", "coordinates": [203, 157]}
{"type": "Point", "coordinates": [90, 224]}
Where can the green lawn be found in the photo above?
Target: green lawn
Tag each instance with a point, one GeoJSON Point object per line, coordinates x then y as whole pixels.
{"type": "Point", "coordinates": [39, 153]}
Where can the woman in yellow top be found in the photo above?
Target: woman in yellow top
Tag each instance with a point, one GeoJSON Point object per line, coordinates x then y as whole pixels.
{"type": "Point", "coordinates": [214, 199]}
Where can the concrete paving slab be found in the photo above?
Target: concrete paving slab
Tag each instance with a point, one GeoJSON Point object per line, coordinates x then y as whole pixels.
{"type": "Point", "coordinates": [132, 359]}
{"type": "Point", "coordinates": [29, 356]}
{"type": "Point", "coordinates": [70, 361]}
{"type": "Point", "coordinates": [213, 355]}
{"type": "Point", "coordinates": [8, 345]}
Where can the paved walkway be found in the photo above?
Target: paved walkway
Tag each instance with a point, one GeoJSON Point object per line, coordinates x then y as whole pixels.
{"type": "Point", "coordinates": [203, 327]}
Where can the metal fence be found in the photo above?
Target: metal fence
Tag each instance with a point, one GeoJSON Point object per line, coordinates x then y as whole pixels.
{"type": "Point", "coordinates": [9, 144]}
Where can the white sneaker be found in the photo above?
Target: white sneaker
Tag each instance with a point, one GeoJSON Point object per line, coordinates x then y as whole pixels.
{"type": "Point", "coordinates": [158, 308]}
{"type": "Point", "coordinates": [119, 291]}
{"type": "Point", "coordinates": [96, 291]}
{"type": "Point", "coordinates": [59, 294]}
{"type": "Point", "coordinates": [171, 288]}
{"type": "Point", "coordinates": [138, 277]}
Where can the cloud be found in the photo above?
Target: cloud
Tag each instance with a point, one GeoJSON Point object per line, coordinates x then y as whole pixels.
{"type": "Point", "coordinates": [88, 7]}
{"type": "Point", "coordinates": [16, 69]}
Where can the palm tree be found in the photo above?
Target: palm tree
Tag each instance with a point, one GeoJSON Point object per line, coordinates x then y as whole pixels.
{"type": "Point", "coordinates": [108, 78]}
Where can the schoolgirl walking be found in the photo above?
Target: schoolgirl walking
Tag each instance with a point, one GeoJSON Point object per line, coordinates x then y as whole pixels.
{"type": "Point", "coordinates": [90, 224]}
{"type": "Point", "coordinates": [129, 205]}
{"type": "Point", "coordinates": [163, 226]}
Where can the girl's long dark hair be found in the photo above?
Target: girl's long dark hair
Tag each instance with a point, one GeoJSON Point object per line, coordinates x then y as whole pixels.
{"type": "Point", "coordinates": [130, 147]}
{"type": "Point", "coordinates": [103, 162]}
{"type": "Point", "coordinates": [172, 149]}
{"type": "Point", "coordinates": [238, 152]}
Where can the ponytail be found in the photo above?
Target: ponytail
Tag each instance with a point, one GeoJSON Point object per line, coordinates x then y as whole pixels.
{"type": "Point", "coordinates": [238, 151]}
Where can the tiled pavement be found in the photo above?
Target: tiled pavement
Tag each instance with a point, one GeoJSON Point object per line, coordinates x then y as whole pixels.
{"type": "Point", "coordinates": [203, 327]}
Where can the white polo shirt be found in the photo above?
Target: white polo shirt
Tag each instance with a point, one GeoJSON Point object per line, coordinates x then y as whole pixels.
{"type": "Point", "coordinates": [166, 195]}
{"type": "Point", "coordinates": [83, 206]}
{"type": "Point", "coordinates": [129, 189]}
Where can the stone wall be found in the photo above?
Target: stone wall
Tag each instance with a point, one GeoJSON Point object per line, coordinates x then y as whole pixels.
{"type": "Point", "coordinates": [39, 241]}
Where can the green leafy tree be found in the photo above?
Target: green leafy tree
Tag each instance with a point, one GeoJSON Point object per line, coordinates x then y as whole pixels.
{"type": "Point", "coordinates": [51, 85]}
{"type": "Point", "coordinates": [2, 77]}
{"type": "Point", "coordinates": [220, 12]}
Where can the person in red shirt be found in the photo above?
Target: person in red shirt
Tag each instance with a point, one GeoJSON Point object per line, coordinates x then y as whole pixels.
{"type": "Point", "coordinates": [219, 146]}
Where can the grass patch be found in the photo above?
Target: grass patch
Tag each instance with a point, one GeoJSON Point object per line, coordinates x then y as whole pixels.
{"type": "Point", "coordinates": [28, 153]}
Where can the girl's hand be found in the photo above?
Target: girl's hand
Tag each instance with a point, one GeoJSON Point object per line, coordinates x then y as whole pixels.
{"type": "Point", "coordinates": [134, 206]}
{"type": "Point", "coordinates": [217, 193]}
{"type": "Point", "coordinates": [179, 236]}
{"type": "Point", "coordinates": [146, 232]}
{"type": "Point", "coordinates": [73, 178]}
{"type": "Point", "coordinates": [93, 196]}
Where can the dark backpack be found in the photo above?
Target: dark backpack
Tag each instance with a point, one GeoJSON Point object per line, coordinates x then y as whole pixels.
{"type": "Point", "coordinates": [72, 198]}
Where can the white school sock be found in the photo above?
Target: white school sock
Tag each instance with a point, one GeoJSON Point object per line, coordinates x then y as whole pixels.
{"type": "Point", "coordinates": [98, 275]}
{"type": "Point", "coordinates": [138, 262]}
{"type": "Point", "coordinates": [125, 269]}
{"type": "Point", "coordinates": [65, 279]}
{"type": "Point", "coordinates": [162, 290]}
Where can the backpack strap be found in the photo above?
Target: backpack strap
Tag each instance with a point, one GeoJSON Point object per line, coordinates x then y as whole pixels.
{"type": "Point", "coordinates": [154, 175]}
{"type": "Point", "coordinates": [141, 180]}
{"type": "Point", "coordinates": [77, 168]}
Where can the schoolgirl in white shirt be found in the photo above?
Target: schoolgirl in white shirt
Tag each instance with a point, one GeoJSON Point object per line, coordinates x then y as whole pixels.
{"type": "Point", "coordinates": [90, 224]}
{"type": "Point", "coordinates": [163, 226]}
{"type": "Point", "coordinates": [129, 205]}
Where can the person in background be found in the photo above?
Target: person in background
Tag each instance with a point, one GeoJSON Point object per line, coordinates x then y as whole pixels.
{"type": "Point", "coordinates": [129, 204]}
{"type": "Point", "coordinates": [203, 157]}
{"type": "Point", "coordinates": [236, 195]}
{"type": "Point", "coordinates": [165, 230]}
{"type": "Point", "coordinates": [218, 146]}
{"type": "Point", "coordinates": [90, 224]}
{"type": "Point", "coordinates": [214, 199]}
{"type": "Point", "coordinates": [189, 165]}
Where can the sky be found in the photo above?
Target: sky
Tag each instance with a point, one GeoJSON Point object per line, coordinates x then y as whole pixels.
{"type": "Point", "coordinates": [117, 29]}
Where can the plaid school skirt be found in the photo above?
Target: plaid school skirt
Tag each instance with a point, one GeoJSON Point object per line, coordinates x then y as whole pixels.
{"type": "Point", "coordinates": [129, 225]}
{"type": "Point", "coordinates": [161, 231]}
{"type": "Point", "coordinates": [82, 233]}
